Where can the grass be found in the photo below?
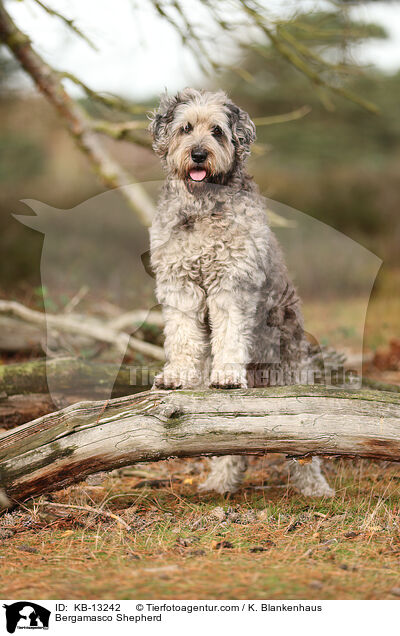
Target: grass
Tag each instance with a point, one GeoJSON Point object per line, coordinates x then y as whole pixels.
{"type": "Point", "coordinates": [261, 543]}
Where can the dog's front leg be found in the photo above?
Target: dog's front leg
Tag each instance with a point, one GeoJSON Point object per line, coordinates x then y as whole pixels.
{"type": "Point", "coordinates": [186, 342]}
{"type": "Point", "coordinates": [229, 340]}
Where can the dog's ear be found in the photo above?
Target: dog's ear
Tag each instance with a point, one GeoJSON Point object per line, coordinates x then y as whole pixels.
{"type": "Point", "coordinates": [160, 120]}
{"type": "Point", "coordinates": [243, 129]}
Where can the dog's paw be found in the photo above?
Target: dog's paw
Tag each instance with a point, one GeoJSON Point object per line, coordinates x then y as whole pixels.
{"type": "Point", "coordinates": [167, 382]}
{"type": "Point", "coordinates": [176, 378]}
{"type": "Point", "coordinates": [229, 377]}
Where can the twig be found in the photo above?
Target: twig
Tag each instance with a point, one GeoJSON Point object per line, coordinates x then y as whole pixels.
{"type": "Point", "coordinates": [123, 130]}
{"type": "Point", "coordinates": [136, 317]}
{"type": "Point", "coordinates": [76, 299]}
{"type": "Point", "coordinates": [89, 509]}
{"type": "Point", "coordinates": [280, 119]}
{"type": "Point", "coordinates": [295, 60]}
{"type": "Point", "coordinates": [121, 341]}
{"type": "Point", "coordinates": [68, 22]}
{"type": "Point", "coordinates": [106, 99]}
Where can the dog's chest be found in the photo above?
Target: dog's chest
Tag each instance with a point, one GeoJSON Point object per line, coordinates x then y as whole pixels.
{"type": "Point", "coordinates": [204, 250]}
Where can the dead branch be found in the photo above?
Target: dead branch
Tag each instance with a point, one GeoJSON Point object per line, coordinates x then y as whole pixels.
{"type": "Point", "coordinates": [123, 130]}
{"type": "Point", "coordinates": [62, 448]}
{"type": "Point", "coordinates": [68, 23]}
{"type": "Point", "coordinates": [19, 336]}
{"type": "Point", "coordinates": [49, 83]}
{"type": "Point", "coordinates": [137, 317]}
{"type": "Point", "coordinates": [98, 512]}
{"type": "Point", "coordinates": [96, 331]}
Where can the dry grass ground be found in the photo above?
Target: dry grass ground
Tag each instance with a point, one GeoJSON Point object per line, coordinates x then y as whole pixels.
{"type": "Point", "coordinates": [264, 542]}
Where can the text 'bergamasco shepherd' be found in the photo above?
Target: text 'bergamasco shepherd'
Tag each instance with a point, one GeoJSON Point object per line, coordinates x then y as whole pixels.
{"type": "Point", "coordinates": [232, 315]}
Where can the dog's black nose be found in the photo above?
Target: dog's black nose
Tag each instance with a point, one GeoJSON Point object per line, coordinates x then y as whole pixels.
{"type": "Point", "coordinates": [199, 155]}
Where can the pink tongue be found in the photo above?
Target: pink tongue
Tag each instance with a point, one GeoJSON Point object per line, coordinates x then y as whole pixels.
{"type": "Point", "coordinates": [197, 175]}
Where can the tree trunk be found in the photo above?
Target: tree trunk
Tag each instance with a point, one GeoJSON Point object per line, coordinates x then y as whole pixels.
{"type": "Point", "coordinates": [24, 393]}
{"type": "Point", "coordinates": [71, 375]}
{"type": "Point", "coordinates": [64, 447]}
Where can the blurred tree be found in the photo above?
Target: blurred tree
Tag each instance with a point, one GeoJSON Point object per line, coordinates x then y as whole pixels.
{"type": "Point", "coordinates": [274, 86]}
{"type": "Point", "coordinates": [339, 166]}
{"type": "Point", "coordinates": [8, 68]}
{"type": "Point", "coordinates": [294, 43]}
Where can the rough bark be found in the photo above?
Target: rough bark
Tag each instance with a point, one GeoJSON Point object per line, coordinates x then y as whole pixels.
{"type": "Point", "coordinates": [62, 448]}
{"type": "Point", "coordinates": [71, 375]}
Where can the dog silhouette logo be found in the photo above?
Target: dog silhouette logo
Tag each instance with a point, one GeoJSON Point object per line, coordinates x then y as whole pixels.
{"type": "Point", "coordinates": [26, 615]}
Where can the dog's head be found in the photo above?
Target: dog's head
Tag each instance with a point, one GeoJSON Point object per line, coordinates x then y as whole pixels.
{"type": "Point", "coordinates": [201, 136]}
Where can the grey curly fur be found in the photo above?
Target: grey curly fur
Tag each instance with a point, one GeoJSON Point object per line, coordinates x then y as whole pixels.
{"type": "Point", "coordinates": [232, 315]}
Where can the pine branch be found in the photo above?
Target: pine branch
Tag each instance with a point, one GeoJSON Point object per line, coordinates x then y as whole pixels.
{"type": "Point", "coordinates": [299, 113]}
{"type": "Point", "coordinates": [113, 102]}
{"type": "Point", "coordinates": [68, 22]}
{"type": "Point", "coordinates": [300, 64]}
{"type": "Point", "coordinates": [123, 131]}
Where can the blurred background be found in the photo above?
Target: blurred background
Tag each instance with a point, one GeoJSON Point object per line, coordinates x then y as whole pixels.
{"type": "Point", "coordinates": [321, 80]}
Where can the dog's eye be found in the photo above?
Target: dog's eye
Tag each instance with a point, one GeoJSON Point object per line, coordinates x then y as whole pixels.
{"type": "Point", "coordinates": [217, 131]}
{"type": "Point", "coordinates": [187, 129]}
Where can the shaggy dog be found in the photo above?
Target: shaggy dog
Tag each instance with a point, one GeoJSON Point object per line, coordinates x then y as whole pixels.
{"type": "Point", "coordinates": [232, 315]}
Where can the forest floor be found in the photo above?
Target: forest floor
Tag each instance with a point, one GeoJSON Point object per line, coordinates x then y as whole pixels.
{"type": "Point", "coordinates": [147, 533]}
{"type": "Point", "coordinates": [167, 541]}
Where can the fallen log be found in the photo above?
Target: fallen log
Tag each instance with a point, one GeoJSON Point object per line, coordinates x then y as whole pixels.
{"type": "Point", "coordinates": [19, 336]}
{"type": "Point", "coordinates": [84, 378]}
{"type": "Point", "coordinates": [24, 391]}
{"type": "Point", "coordinates": [62, 448]}
{"type": "Point", "coordinates": [71, 375]}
